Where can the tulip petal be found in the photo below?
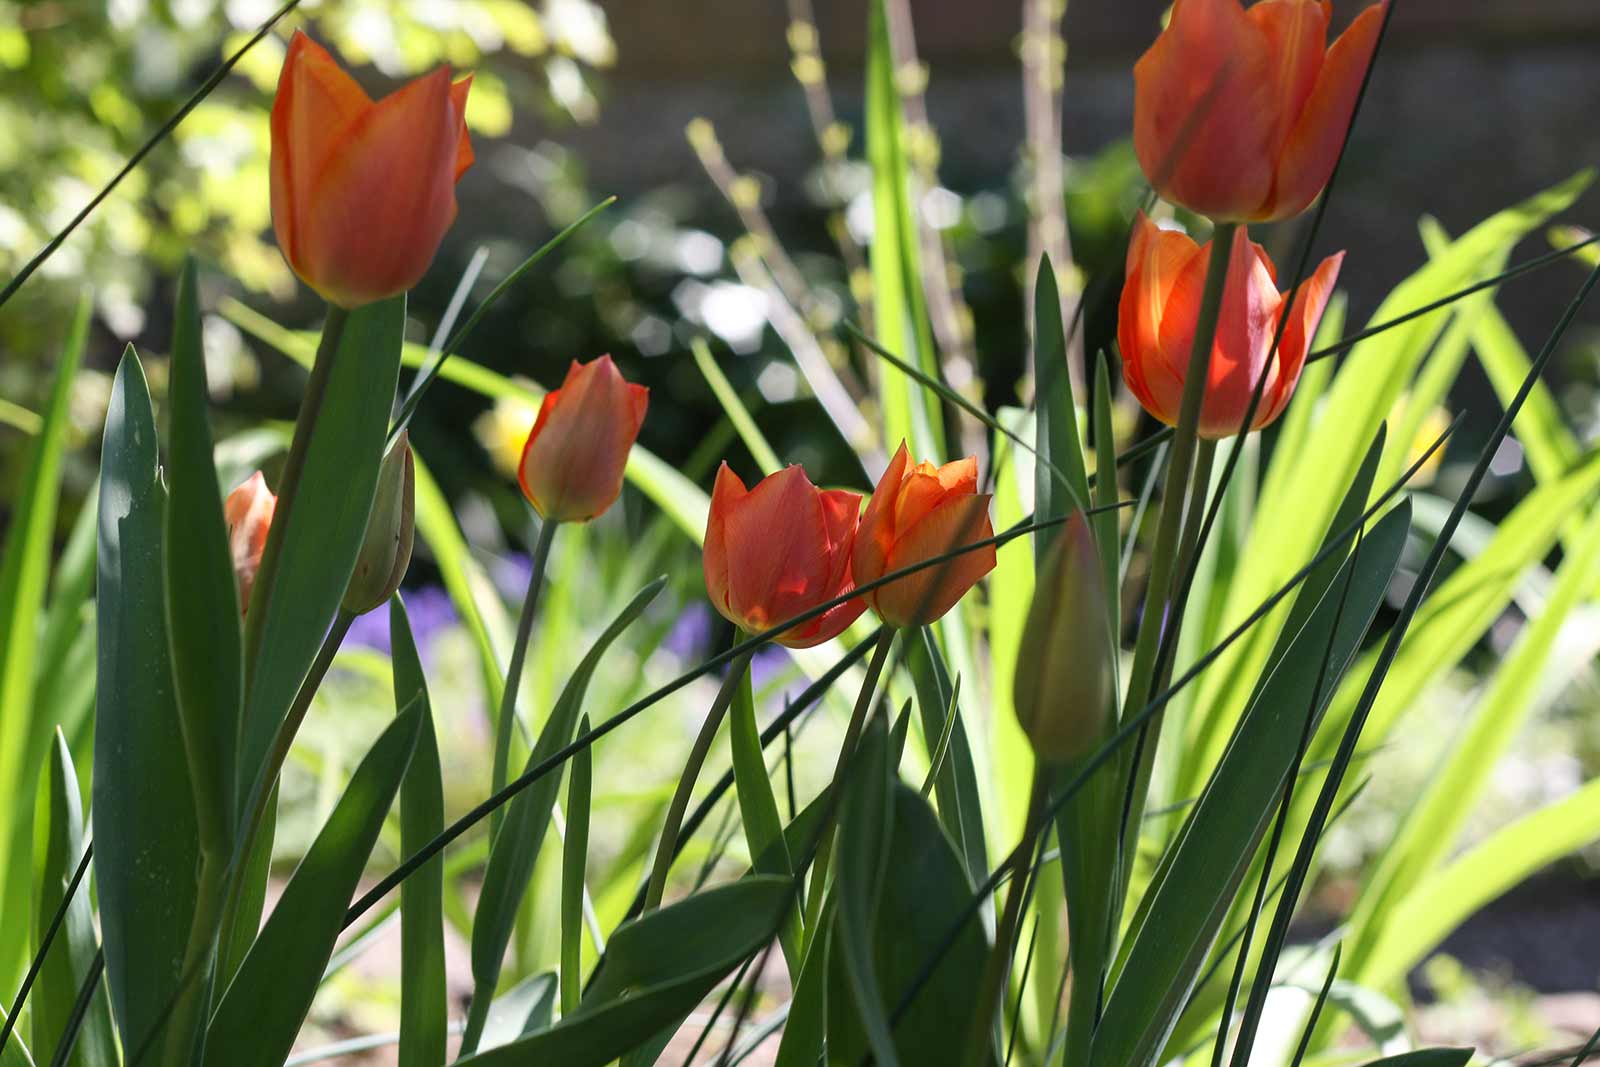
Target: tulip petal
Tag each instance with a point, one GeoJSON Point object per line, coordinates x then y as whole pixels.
{"type": "Point", "coordinates": [925, 596]}
{"type": "Point", "coordinates": [726, 494]}
{"type": "Point", "coordinates": [1205, 111]}
{"type": "Point", "coordinates": [1308, 156]}
{"type": "Point", "coordinates": [875, 534]}
{"type": "Point", "coordinates": [465, 157]}
{"type": "Point", "coordinates": [1297, 35]}
{"type": "Point", "coordinates": [1304, 316]}
{"type": "Point", "coordinates": [777, 561]}
{"type": "Point", "coordinates": [841, 513]}
{"type": "Point", "coordinates": [1250, 304]}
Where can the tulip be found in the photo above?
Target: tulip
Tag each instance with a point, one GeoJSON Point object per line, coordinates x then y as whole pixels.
{"type": "Point", "coordinates": [1240, 115]}
{"type": "Point", "coordinates": [248, 513]}
{"type": "Point", "coordinates": [1166, 275]}
{"type": "Point", "coordinates": [781, 549]}
{"type": "Point", "coordinates": [386, 547]}
{"type": "Point", "coordinates": [1064, 687]}
{"type": "Point", "coordinates": [363, 192]}
{"type": "Point", "coordinates": [916, 514]}
{"type": "Point", "coordinates": [572, 463]}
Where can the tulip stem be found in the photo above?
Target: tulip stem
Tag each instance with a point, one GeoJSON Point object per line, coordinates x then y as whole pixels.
{"type": "Point", "coordinates": [1164, 559]}
{"type": "Point", "coordinates": [691, 771]}
{"type": "Point", "coordinates": [998, 965]}
{"type": "Point", "coordinates": [519, 656]}
{"type": "Point", "coordinates": [852, 735]}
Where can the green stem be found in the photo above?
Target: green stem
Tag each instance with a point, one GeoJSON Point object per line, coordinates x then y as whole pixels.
{"type": "Point", "coordinates": [261, 789]}
{"type": "Point", "coordinates": [998, 966]}
{"type": "Point", "coordinates": [852, 735]}
{"type": "Point", "coordinates": [519, 654]}
{"type": "Point", "coordinates": [289, 484]}
{"type": "Point", "coordinates": [691, 771]}
{"type": "Point", "coordinates": [185, 1033]}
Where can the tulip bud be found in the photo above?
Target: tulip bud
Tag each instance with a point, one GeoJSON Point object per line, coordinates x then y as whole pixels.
{"type": "Point", "coordinates": [1065, 678]}
{"type": "Point", "coordinates": [386, 548]}
{"type": "Point", "coordinates": [248, 513]}
{"type": "Point", "coordinates": [573, 462]}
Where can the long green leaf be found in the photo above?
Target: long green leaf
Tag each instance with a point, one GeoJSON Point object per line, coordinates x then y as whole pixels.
{"type": "Point", "coordinates": [758, 807]}
{"type": "Point", "coordinates": [58, 845]}
{"type": "Point", "coordinates": [424, 1007]}
{"type": "Point", "coordinates": [574, 867]}
{"type": "Point", "coordinates": [202, 594]}
{"type": "Point", "coordinates": [955, 786]}
{"type": "Point", "coordinates": [656, 969]}
{"type": "Point", "coordinates": [1197, 880]}
{"type": "Point", "coordinates": [1056, 417]}
{"type": "Point", "coordinates": [806, 1028]}
{"type": "Point", "coordinates": [146, 844]}
{"type": "Point", "coordinates": [1426, 1057]}
{"type": "Point", "coordinates": [258, 1017]}
{"type": "Point", "coordinates": [24, 572]}
{"type": "Point", "coordinates": [521, 836]}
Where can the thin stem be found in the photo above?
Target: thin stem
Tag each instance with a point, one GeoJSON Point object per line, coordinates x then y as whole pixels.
{"type": "Point", "coordinates": [998, 965]}
{"type": "Point", "coordinates": [691, 771]}
{"type": "Point", "coordinates": [852, 735]}
{"type": "Point", "coordinates": [289, 484]}
{"type": "Point", "coordinates": [519, 655]}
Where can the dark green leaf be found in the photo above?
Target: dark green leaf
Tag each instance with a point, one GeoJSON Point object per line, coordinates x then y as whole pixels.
{"type": "Point", "coordinates": [258, 1017]}
{"type": "Point", "coordinates": [956, 783]}
{"type": "Point", "coordinates": [574, 866]}
{"type": "Point", "coordinates": [146, 846]}
{"type": "Point", "coordinates": [1426, 1057]}
{"type": "Point", "coordinates": [1056, 429]}
{"type": "Point", "coordinates": [806, 1028]}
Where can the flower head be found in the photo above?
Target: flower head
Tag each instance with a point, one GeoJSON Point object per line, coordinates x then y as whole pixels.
{"type": "Point", "coordinates": [1161, 295]}
{"type": "Point", "coordinates": [1240, 114]}
{"type": "Point", "coordinates": [573, 461]}
{"type": "Point", "coordinates": [915, 514]}
{"type": "Point", "coordinates": [248, 513]}
{"type": "Point", "coordinates": [781, 549]}
{"type": "Point", "coordinates": [363, 192]}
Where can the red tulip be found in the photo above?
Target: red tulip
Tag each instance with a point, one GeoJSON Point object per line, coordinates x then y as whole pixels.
{"type": "Point", "coordinates": [781, 549]}
{"type": "Point", "coordinates": [572, 465]}
{"type": "Point", "coordinates": [914, 515]}
{"type": "Point", "coordinates": [1166, 276]}
{"type": "Point", "coordinates": [1240, 114]}
{"type": "Point", "coordinates": [363, 192]}
{"type": "Point", "coordinates": [248, 513]}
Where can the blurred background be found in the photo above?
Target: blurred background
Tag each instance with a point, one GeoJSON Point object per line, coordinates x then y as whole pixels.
{"type": "Point", "coordinates": [731, 134]}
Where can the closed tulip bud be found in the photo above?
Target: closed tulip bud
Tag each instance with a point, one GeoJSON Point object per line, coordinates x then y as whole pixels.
{"type": "Point", "coordinates": [1240, 114]}
{"type": "Point", "coordinates": [781, 549]}
{"type": "Point", "coordinates": [1065, 677]}
{"type": "Point", "coordinates": [248, 513]}
{"type": "Point", "coordinates": [386, 548]}
{"type": "Point", "coordinates": [572, 465]}
{"type": "Point", "coordinates": [1161, 295]}
{"type": "Point", "coordinates": [917, 514]}
{"type": "Point", "coordinates": [363, 192]}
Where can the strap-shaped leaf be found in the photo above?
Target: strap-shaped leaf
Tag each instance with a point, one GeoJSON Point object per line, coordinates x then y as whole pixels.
{"type": "Point", "coordinates": [257, 1020]}
{"type": "Point", "coordinates": [1426, 1057]}
{"type": "Point", "coordinates": [424, 1005]}
{"type": "Point", "coordinates": [955, 786]}
{"type": "Point", "coordinates": [146, 847]}
{"type": "Point", "coordinates": [1056, 417]}
{"type": "Point", "coordinates": [656, 969]}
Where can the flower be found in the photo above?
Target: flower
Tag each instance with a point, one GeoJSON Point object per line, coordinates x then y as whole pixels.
{"type": "Point", "coordinates": [248, 513]}
{"type": "Point", "coordinates": [1240, 115]}
{"type": "Point", "coordinates": [1064, 688]}
{"type": "Point", "coordinates": [1161, 296]}
{"type": "Point", "coordinates": [916, 515]}
{"type": "Point", "coordinates": [572, 464]}
{"type": "Point", "coordinates": [781, 549]}
{"type": "Point", "coordinates": [363, 192]}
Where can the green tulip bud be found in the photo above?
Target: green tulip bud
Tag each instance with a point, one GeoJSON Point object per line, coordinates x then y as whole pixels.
{"type": "Point", "coordinates": [1065, 679]}
{"type": "Point", "coordinates": [386, 549]}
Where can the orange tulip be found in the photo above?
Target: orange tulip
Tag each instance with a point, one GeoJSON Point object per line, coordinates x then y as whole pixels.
{"type": "Point", "coordinates": [916, 514]}
{"type": "Point", "coordinates": [1161, 294]}
{"type": "Point", "coordinates": [572, 465]}
{"type": "Point", "coordinates": [1239, 114]}
{"type": "Point", "coordinates": [363, 192]}
{"type": "Point", "coordinates": [780, 549]}
{"type": "Point", "coordinates": [248, 513]}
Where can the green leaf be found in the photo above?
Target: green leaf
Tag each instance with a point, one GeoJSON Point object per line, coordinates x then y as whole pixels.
{"type": "Point", "coordinates": [24, 572]}
{"type": "Point", "coordinates": [525, 1008]}
{"type": "Point", "coordinates": [924, 890]}
{"type": "Point", "coordinates": [202, 593]}
{"type": "Point", "coordinates": [900, 316]}
{"type": "Point", "coordinates": [574, 865]}
{"type": "Point", "coordinates": [806, 1028]}
{"type": "Point", "coordinates": [521, 835]}
{"type": "Point", "coordinates": [258, 1017]}
{"type": "Point", "coordinates": [1056, 417]}
{"type": "Point", "coordinates": [656, 969]}
{"type": "Point", "coordinates": [1197, 880]}
{"type": "Point", "coordinates": [955, 787]}
{"type": "Point", "coordinates": [321, 536]}
{"type": "Point", "coordinates": [1426, 1057]}
{"type": "Point", "coordinates": [734, 408]}
{"type": "Point", "coordinates": [57, 848]}
{"type": "Point", "coordinates": [758, 808]}
{"type": "Point", "coordinates": [146, 844]}
{"type": "Point", "coordinates": [424, 1006]}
